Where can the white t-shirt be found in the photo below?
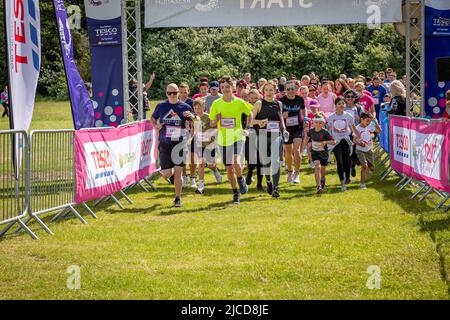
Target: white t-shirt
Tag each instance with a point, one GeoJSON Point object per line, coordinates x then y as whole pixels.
{"type": "Point", "coordinates": [340, 125]}
{"type": "Point", "coordinates": [366, 137]}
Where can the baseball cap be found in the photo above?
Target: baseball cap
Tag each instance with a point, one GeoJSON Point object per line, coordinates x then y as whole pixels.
{"type": "Point", "coordinates": [214, 85]}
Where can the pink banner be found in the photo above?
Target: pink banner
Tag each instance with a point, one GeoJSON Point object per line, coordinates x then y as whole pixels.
{"type": "Point", "coordinates": [108, 160]}
{"type": "Point", "coordinates": [420, 148]}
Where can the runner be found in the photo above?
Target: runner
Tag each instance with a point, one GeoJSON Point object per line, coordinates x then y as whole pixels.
{"type": "Point", "coordinates": [213, 95]}
{"type": "Point", "coordinates": [326, 100]}
{"type": "Point", "coordinates": [253, 97]}
{"type": "Point", "coordinates": [226, 114]}
{"type": "Point", "coordinates": [294, 113]}
{"type": "Point", "coordinates": [205, 146]}
{"type": "Point", "coordinates": [355, 109]}
{"type": "Point", "coordinates": [364, 146]}
{"type": "Point", "coordinates": [365, 100]}
{"type": "Point", "coordinates": [267, 147]}
{"type": "Point", "coordinates": [341, 124]}
{"type": "Point", "coordinates": [319, 150]}
{"type": "Point", "coordinates": [307, 123]}
{"type": "Point", "coordinates": [170, 118]}
{"type": "Point", "coordinates": [184, 94]}
{"type": "Point", "coordinates": [378, 92]}
{"type": "Point", "coordinates": [340, 86]}
{"type": "Point", "coordinates": [203, 90]}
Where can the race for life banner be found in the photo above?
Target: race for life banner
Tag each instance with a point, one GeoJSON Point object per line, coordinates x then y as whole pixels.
{"type": "Point", "coordinates": [82, 107]}
{"type": "Point", "coordinates": [108, 160]}
{"type": "Point", "coordinates": [421, 149]}
{"type": "Point", "coordinates": [23, 33]}
{"type": "Point", "coordinates": [246, 13]}
{"type": "Point", "coordinates": [105, 41]}
{"type": "Point", "coordinates": [437, 48]}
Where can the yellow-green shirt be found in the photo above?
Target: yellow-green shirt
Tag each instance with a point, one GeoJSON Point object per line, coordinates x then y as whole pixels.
{"type": "Point", "coordinates": [230, 125]}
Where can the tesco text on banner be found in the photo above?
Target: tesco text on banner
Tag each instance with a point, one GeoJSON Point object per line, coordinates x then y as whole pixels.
{"type": "Point", "coordinates": [104, 24]}
{"type": "Point", "coordinates": [82, 107]}
{"type": "Point", "coordinates": [108, 160]}
{"type": "Point", "coordinates": [23, 31]}
{"type": "Point", "coordinates": [246, 13]}
{"type": "Point", "coordinates": [421, 149]}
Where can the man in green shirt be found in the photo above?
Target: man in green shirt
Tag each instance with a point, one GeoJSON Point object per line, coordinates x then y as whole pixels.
{"type": "Point", "coordinates": [226, 113]}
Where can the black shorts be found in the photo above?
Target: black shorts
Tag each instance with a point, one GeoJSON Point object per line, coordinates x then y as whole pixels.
{"type": "Point", "coordinates": [319, 156]}
{"type": "Point", "coordinates": [228, 152]}
{"type": "Point", "coordinates": [167, 160]}
{"type": "Point", "coordinates": [294, 134]}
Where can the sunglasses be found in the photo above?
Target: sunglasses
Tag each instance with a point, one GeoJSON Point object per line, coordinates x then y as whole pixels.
{"type": "Point", "coordinates": [291, 89]}
{"type": "Point", "coordinates": [350, 97]}
{"type": "Point", "coordinates": [173, 93]}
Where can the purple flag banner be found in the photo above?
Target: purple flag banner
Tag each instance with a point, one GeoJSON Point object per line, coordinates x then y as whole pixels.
{"type": "Point", "coordinates": [82, 106]}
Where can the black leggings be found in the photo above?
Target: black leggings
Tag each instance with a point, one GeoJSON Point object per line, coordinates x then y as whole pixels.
{"type": "Point", "coordinates": [342, 153]}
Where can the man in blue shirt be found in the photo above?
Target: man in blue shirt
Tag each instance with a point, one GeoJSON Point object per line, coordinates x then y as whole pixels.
{"type": "Point", "coordinates": [170, 118]}
{"type": "Point", "coordinates": [378, 92]}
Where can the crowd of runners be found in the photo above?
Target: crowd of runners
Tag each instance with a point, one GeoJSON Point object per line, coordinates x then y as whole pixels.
{"type": "Point", "coordinates": [260, 126]}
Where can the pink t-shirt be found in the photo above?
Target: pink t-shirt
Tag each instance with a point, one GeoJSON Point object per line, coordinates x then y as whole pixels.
{"type": "Point", "coordinates": [326, 104]}
{"type": "Point", "coordinates": [367, 102]}
{"type": "Point", "coordinates": [197, 96]}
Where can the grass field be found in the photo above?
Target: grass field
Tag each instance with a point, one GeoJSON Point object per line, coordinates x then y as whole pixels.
{"type": "Point", "coordinates": [299, 247]}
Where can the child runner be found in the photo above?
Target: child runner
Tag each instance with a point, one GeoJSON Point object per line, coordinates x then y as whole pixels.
{"type": "Point", "coordinates": [319, 150]}
{"type": "Point", "coordinates": [364, 145]}
{"type": "Point", "coordinates": [226, 114]}
{"type": "Point", "coordinates": [341, 124]}
{"type": "Point", "coordinates": [205, 147]}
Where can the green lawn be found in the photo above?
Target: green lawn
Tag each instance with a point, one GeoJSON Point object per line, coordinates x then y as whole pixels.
{"type": "Point", "coordinates": [299, 247]}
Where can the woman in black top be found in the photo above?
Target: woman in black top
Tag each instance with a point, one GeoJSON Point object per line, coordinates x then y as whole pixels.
{"type": "Point", "coordinates": [398, 102]}
{"type": "Point", "coordinates": [269, 126]}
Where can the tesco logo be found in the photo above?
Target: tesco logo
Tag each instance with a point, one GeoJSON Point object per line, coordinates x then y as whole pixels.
{"type": "Point", "coordinates": [106, 31]}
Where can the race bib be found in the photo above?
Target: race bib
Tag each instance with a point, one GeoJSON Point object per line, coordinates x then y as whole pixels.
{"type": "Point", "coordinates": [173, 133]}
{"type": "Point", "coordinates": [273, 126]}
{"type": "Point", "coordinates": [317, 146]}
{"type": "Point", "coordinates": [292, 121]}
{"type": "Point", "coordinates": [203, 137]}
{"type": "Point", "coordinates": [228, 123]}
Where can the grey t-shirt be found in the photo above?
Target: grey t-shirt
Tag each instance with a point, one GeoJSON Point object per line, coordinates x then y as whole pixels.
{"type": "Point", "coordinates": [340, 125]}
{"type": "Point", "coordinates": [209, 99]}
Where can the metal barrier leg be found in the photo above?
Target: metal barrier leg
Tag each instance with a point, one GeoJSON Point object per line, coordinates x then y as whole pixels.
{"type": "Point", "coordinates": [126, 197]}
{"type": "Point", "coordinates": [42, 224]}
{"type": "Point", "coordinates": [150, 184]}
{"type": "Point", "coordinates": [424, 186]}
{"type": "Point", "coordinates": [117, 202]}
{"type": "Point", "coordinates": [426, 194]}
{"type": "Point", "coordinates": [142, 186]}
{"type": "Point", "coordinates": [6, 229]}
{"type": "Point", "coordinates": [27, 230]}
{"type": "Point", "coordinates": [406, 183]}
{"type": "Point", "coordinates": [388, 172]}
{"type": "Point", "coordinates": [401, 181]}
{"type": "Point", "coordinates": [60, 212]}
{"type": "Point", "coordinates": [440, 204]}
{"type": "Point", "coordinates": [96, 203]}
{"type": "Point", "coordinates": [24, 222]}
{"type": "Point", "coordinates": [89, 210]}
{"type": "Point", "coordinates": [77, 214]}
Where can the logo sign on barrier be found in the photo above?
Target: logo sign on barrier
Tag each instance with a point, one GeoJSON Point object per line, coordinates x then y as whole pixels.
{"type": "Point", "coordinates": [384, 134]}
{"type": "Point", "coordinates": [420, 149]}
{"type": "Point", "coordinates": [109, 160]}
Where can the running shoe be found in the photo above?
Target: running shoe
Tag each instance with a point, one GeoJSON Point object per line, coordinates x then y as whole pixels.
{"type": "Point", "coordinates": [172, 179]}
{"type": "Point", "coordinates": [201, 187]}
{"type": "Point", "coordinates": [242, 186]}
{"type": "Point", "coordinates": [193, 183]}
{"type": "Point", "coordinates": [363, 186]}
{"type": "Point", "coordinates": [218, 176]}
{"type": "Point", "coordinates": [275, 193]}
{"type": "Point", "coordinates": [259, 187]}
{"type": "Point", "coordinates": [296, 178]}
{"type": "Point", "coordinates": [344, 188]}
{"type": "Point", "coordinates": [353, 172]}
{"type": "Point", "coordinates": [289, 176]}
{"type": "Point", "coordinates": [248, 180]}
{"type": "Point", "coordinates": [270, 187]}
{"type": "Point", "coordinates": [348, 181]}
{"type": "Point", "coordinates": [319, 190]}
{"type": "Point", "coordinates": [177, 202]}
{"type": "Point", "coordinates": [322, 183]}
{"type": "Point", "coordinates": [312, 165]}
{"type": "Point", "coordinates": [236, 198]}
{"type": "Point", "coordinates": [184, 182]}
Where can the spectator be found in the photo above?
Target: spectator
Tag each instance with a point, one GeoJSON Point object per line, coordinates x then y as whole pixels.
{"type": "Point", "coordinates": [4, 100]}
{"type": "Point", "coordinates": [446, 116]}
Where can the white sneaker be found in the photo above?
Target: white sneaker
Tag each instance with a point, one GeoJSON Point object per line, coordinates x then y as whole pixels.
{"type": "Point", "coordinates": [363, 186]}
{"type": "Point", "coordinates": [218, 176]}
{"type": "Point", "coordinates": [312, 165]}
{"type": "Point", "coordinates": [296, 178]}
{"type": "Point", "coordinates": [193, 183]}
{"type": "Point", "coordinates": [305, 152]}
{"type": "Point", "coordinates": [344, 188]}
{"type": "Point", "coordinates": [184, 181]}
{"type": "Point", "coordinates": [201, 186]}
{"type": "Point", "coordinates": [289, 177]}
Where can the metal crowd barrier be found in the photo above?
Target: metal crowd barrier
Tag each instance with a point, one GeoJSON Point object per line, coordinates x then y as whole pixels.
{"type": "Point", "coordinates": [382, 158]}
{"type": "Point", "coordinates": [13, 197]}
